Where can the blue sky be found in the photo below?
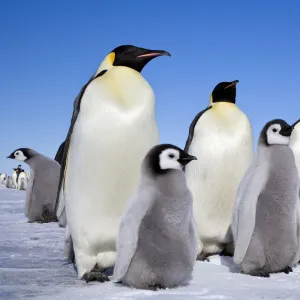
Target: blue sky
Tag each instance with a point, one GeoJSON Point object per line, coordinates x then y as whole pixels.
{"type": "Point", "coordinates": [49, 49]}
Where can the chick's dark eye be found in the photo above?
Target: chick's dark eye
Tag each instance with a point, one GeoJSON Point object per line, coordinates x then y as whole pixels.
{"type": "Point", "coordinates": [171, 155]}
{"type": "Point", "coordinates": [274, 130]}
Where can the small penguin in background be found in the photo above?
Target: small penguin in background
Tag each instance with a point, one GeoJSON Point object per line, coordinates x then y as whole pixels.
{"type": "Point", "coordinates": [22, 181]}
{"type": "Point", "coordinates": [42, 186]}
{"type": "Point", "coordinates": [221, 138]}
{"type": "Point", "coordinates": [157, 243]}
{"type": "Point", "coordinates": [266, 216]}
{"type": "Point", "coordinates": [3, 178]}
{"type": "Point", "coordinates": [15, 176]}
{"type": "Point", "coordinates": [295, 145]}
{"type": "Point", "coordinates": [113, 127]}
{"type": "Point", "coordinates": [9, 183]}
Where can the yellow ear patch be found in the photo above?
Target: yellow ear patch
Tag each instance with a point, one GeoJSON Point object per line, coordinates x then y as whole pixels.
{"type": "Point", "coordinates": [111, 57]}
{"type": "Point", "coordinates": [210, 99]}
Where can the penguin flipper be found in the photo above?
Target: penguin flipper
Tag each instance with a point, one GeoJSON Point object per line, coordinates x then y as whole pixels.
{"type": "Point", "coordinates": [76, 110]}
{"type": "Point", "coordinates": [127, 238]}
{"type": "Point", "coordinates": [192, 128]}
{"type": "Point", "coordinates": [60, 152]}
{"type": "Point", "coordinates": [244, 212]}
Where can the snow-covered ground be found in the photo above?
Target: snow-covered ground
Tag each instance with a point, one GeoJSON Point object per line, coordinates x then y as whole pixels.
{"type": "Point", "coordinates": [32, 266]}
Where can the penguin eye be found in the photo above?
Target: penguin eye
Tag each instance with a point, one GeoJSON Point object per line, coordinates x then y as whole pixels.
{"type": "Point", "coordinates": [171, 155]}
{"type": "Point", "coordinates": [274, 130]}
{"type": "Point", "coordinates": [17, 153]}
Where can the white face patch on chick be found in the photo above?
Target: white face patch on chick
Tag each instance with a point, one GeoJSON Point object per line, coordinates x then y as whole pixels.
{"type": "Point", "coordinates": [168, 159]}
{"type": "Point", "coordinates": [19, 155]}
{"type": "Point", "coordinates": [275, 138]}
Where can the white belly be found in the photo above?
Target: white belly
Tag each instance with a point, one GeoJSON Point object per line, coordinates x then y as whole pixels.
{"type": "Point", "coordinates": [224, 153]}
{"type": "Point", "coordinates": [107, 146]}
{"type": "Point", "coordinates": [295, 145]}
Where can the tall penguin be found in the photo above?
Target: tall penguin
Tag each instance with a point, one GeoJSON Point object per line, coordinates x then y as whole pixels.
{"type": "Point", "coordinates": [221, 138]}
{"type": "Point", "coordinates": [113, 127]}
{"type": "Point", "coordinates": [295, 145]}
{"type": "Point", "coordinates": [266, 215]}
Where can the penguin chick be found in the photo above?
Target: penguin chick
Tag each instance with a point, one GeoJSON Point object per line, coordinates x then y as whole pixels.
{"type": "Point", "coordinates": [9, 183]}
{"type": "Point", "coordinates": [157, 241]}
{"type": "Point", "coordinates": [42, 186]}
{"type": "Point", "coordinates": [266, 215]}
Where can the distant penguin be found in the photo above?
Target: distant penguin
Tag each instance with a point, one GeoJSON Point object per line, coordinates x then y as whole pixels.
{"type": "Point", "coordinates": [14, 178]}
{"type": "Point", "coordinates": [295, 145]}
{"type": "Point", "coordinates": [113, 127]}
{"type": "Point", "coordinates": [221, 138]}
{"type": "Point", "coordinates": [9, 182]}
{"type": "Point", "coordinates": [22, 181]}
{"type": "Point", "coordinates": [266, 216]}
{"type": "Point", "coordinates": [157, 243]}
{"type": "Point", "coordinates": [3, 178]}
{"type": "Point", "coordinates": [42, 186]}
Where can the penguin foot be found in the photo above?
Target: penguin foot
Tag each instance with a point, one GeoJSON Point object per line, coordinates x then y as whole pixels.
{"type": "Point", "coordinates": [258, 273]}
{"type": "Point", "coordinates": [224, 252]}
{"type": "Point", "coordinates": [155, 287]}
{"type": "Point", "coordinates": [203, 257]}
{"type": "Point", "coordinates": [286, 270]}
{"type": "Point", "coordinates": [95, 276]}
{"type": "Point", "coordinates": [48, 216]}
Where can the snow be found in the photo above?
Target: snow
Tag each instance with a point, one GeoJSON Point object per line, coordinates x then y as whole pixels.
{"type": "Point", "coordinates": [32, 266]}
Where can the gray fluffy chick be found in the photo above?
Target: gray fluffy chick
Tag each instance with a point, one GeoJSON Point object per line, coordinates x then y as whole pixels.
{"type": "Point", "coordinates": [266, 215]}
{"type": "Point", "coordinates": [157, 243]}
{"type": "Point", "coordinates": [42, 186]}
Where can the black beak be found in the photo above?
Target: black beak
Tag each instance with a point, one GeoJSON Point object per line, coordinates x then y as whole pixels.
{"type": "Point", "coordinates": [185, 160]}
{"type": "Point", "coordinates": [293, 125]}
{"type": "Point", "coordinates": [11, 156]}
{"type": "Point", "coordinates": [233, 83]}
{"type": "Point", "coordinates": [154, 53]}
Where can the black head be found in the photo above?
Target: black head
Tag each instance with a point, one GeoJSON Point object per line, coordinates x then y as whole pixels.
{"type": "Point", "coordinates": [21, 154]}
{"type": "Point", "coordinates": [134, 57]}
{"type": "Point", "coordinates": [165, 157]}
{"type": "Point", "coordinates": [277, 132]}
{"type": "Point", "coordinates": [224, 92]}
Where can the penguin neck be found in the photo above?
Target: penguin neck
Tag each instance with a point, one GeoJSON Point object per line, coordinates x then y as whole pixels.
{"type": "Point", "coordinates": [126, 88]}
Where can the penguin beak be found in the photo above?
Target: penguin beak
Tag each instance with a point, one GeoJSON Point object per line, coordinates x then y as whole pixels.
{"type": "Point", "coordinates": [11, 156]}
{"type": "Point", "coordinates": [233, 83]}
{"type": "Point", "coordinates": [185, 160]}
{"type": "Point", "coordinates": [293, 125]}
{"type": "Point", "coordinates": [154, 53]}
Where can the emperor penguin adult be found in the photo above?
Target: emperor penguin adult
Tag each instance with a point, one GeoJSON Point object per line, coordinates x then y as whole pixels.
{"type": "Point", "coordinates": [295, 145]}
{"type": "Point", "coordinates": [266, 216]}
{"type": "Point", "coordinates": [220, 136]}
{"type": "Point", "coordinates": [22, 181]}
{"type": "Point", "coordinates": [113, 126]}
{"type": "Point", "coordinates": [42, 186]}
{"type": "Point", "coordinates": [157, 241]}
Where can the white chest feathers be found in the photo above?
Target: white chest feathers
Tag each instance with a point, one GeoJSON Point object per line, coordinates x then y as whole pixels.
{"type": "Point", "coordinates": [115, 129]}
{"type": "Point", "coordinates": [223, 145]}
{"type": "Point", "coordinates": [295, 145]}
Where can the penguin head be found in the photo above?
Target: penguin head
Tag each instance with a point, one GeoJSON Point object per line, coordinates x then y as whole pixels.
{"type": "Point", "coordinates": [224, 92]}
{"type": "Point", "coordinates": [130, 56]}
{"type": "Point", "coordinates": [277, 132]}
{"type": "Point", "coordinates": [164, 157]}
{"type": "Point", "coordinates": [20, 154]}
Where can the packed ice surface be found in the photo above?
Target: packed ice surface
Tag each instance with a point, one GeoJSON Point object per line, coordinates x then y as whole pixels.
{"type": "Point", "coordinates": [32, 266]}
